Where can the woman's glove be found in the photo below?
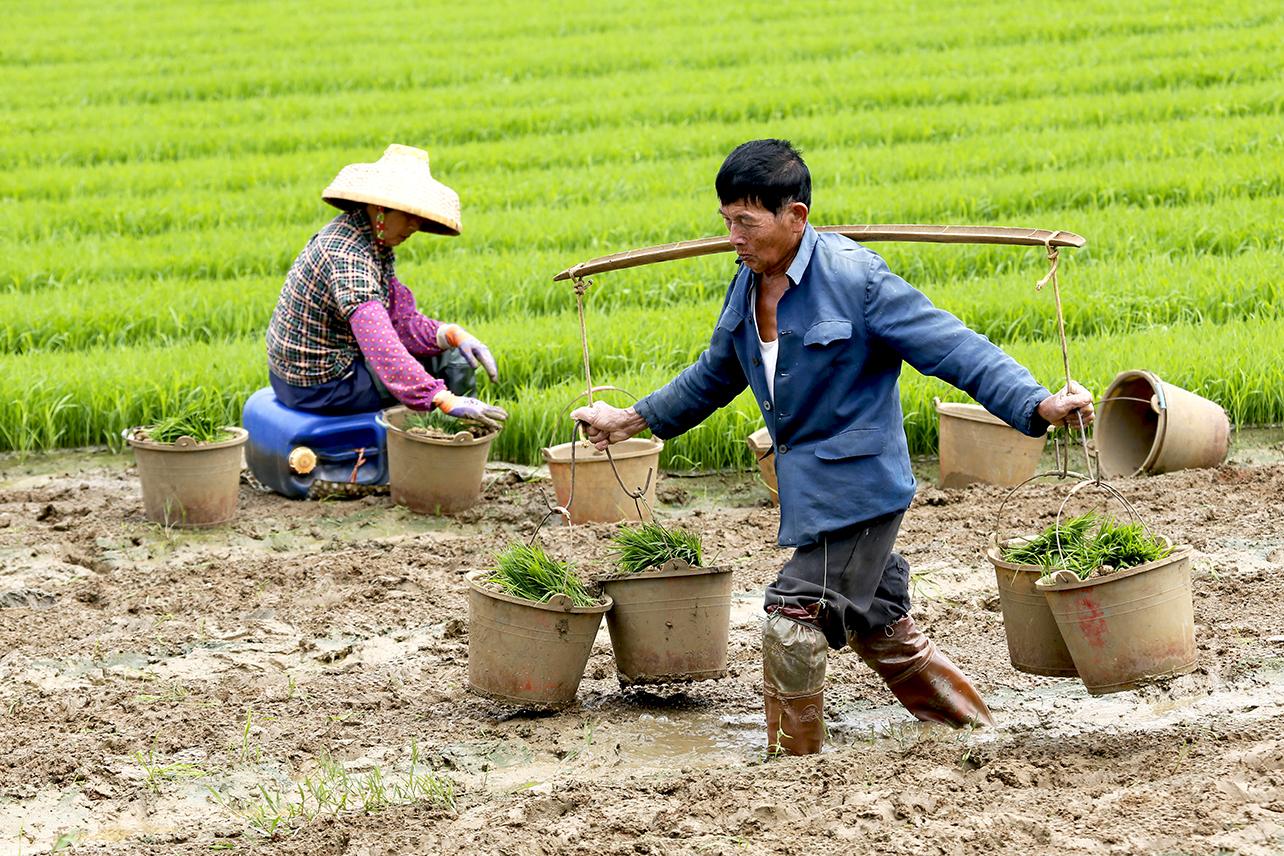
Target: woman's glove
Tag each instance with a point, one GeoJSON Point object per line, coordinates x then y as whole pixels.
{"type": "Point", "coordinates": [472, 409]}
{"type": "Point", "coordinates": [454, 336]}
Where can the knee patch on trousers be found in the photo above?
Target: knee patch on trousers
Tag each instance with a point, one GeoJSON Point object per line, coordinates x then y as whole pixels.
{"type": "Point", "coordinates": [794, 656]}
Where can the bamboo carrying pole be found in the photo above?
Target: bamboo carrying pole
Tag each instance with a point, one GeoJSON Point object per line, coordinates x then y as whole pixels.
{"type": "Point", "coordinates": [870, 232]}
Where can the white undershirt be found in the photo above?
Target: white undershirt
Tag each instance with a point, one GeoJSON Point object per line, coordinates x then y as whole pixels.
{"type": "Point", "coordinates": [768, 350]}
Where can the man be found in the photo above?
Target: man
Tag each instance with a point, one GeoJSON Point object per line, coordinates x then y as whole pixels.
{"type": "Point", "coordinates": [818, 327]}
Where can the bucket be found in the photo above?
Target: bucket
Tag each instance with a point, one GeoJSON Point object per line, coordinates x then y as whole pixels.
{"type": "Point", "coordinates": [1034, 640]}
{"type": "Point", "coordinates": [760, 444]}
{"type": "Point", "coordinates": [431, 475]}
{"type": "Point", "coordinates": [188, 484]}
{"type": "Point", "coordinates": [598, 496]}
{"type": "Point", "coordinates": [976, 446]}
{"type": "Point", "coordinates": [528, 654]}
{"type": "Point", "coordinates": [1168, 429]}
{"type": "Point", "coordinates": [670, 625]}
{"type": "Point", "coordinates": [1130, 626]}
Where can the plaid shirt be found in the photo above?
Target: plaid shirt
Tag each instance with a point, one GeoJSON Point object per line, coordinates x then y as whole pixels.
{"type": "Point", "coordinates": [310, 339]}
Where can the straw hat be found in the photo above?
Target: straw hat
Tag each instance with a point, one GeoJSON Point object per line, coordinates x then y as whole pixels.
{"type": "Point", "coordinates": [401, 180]}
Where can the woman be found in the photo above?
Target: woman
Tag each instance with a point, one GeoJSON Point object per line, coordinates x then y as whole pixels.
{"type": "Point", "coordinates": [345, 336]}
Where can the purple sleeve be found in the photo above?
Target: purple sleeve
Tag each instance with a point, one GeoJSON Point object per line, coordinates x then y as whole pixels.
{"type": "Point", "coordinates": [416, 331]}
{"type": "Point", "coordinates": [388, 358]}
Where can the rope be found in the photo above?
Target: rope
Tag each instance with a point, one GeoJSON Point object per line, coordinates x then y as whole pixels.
{"type": "Point", "coordinates": [1054, 260]}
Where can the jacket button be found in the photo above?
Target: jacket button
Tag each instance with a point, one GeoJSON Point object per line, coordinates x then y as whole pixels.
{"type": "Point", "coordinates": [786, 332]}
{"type": "Point", "coordinates": [757, 361]}
{"type": "Point", "coordinates": [782, 448]}
{"type": "Point", "coordinates": [766, 405]}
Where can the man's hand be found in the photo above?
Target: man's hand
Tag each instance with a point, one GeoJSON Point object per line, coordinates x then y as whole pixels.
{"type": "Point", "coordinates": [607, 424]}
{"type": "Point", "coordinates": [472, 409]}
{"type": "Point", "coordinates": [1068, 406]}
{"type": "Point", "coordinates": [454, 336]}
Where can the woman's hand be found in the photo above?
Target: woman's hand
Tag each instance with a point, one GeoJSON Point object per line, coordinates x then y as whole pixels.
{"type": "Point", "coordinates": [472, 409]}
{"type": "Point", "coordinates": [454, 336]}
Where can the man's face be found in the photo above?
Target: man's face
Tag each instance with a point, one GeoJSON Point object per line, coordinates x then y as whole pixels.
{"type": "Point", "coordinates": [764, 241]}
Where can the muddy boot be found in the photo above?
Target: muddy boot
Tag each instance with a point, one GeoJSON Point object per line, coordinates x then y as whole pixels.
{"type": "Point", "coordinates": [921, 677]}
{"type": "Point", "coordinates": [794, 656]}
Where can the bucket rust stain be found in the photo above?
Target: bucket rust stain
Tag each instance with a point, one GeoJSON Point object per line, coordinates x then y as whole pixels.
{"type": "Point", "coordinates": [1092, 622]}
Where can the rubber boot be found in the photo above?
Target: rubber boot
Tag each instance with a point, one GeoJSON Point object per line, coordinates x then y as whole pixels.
{"type": "Point", "coordinates": [794, 656]}
{"type": "Point", "coordinates": [921, 677]}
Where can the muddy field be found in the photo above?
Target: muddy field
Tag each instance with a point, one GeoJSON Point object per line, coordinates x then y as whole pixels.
{"type": "Point", "coordinates": [174, 692]}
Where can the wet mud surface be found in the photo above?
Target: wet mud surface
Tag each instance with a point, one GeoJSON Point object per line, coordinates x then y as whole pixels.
{"type": "Point", "coordinates": [196, 692]}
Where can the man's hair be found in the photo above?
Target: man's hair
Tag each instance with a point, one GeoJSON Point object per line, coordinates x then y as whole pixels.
{"type": "Point", "coordinates": [769, 173]}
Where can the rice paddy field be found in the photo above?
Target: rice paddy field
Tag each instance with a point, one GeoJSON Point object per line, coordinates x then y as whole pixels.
{"type": "Point", "coordinates": [162, 167]}
{"type": "Point", "coordinates": [295, 682]}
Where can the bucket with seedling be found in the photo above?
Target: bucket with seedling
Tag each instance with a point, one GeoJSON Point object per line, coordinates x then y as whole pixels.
{"type": "Point", "coordinates": [672, 615]}
{"type": "Point", "coordinates": [436, 463]}
{"type": "Point", "coordinates": [1121, 598]}
{"type": "Point", "coordinates": [189, 464]}
{"type": "Point", "coordinates": [1118, 596]}
{"type": "Point", "coordinates": [531, 626]}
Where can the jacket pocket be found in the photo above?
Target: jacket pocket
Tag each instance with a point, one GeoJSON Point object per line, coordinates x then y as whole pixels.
{"type": "Point", "coordinates": [730, 320]}
{"type": "Point", "coordinates": [824, 332]}
{"type": "Point", "coordinates": [852, 444]}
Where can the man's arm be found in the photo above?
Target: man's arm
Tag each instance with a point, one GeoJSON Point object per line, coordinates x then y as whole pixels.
{"type": "Point", "coordinates": [938, 344]}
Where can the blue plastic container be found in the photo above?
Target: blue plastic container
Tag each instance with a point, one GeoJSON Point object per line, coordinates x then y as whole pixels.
{"type": "Point", "coordinates": [290, 451]}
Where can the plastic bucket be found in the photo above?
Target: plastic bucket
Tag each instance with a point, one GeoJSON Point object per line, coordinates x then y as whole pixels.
{"type": "Point", "coordinates": [976, 446]}
{"type": "Point", "coordinates": [432, 475]}
{"type": "Point", "coordinates": [1168, 429]}
{"type": "Point", "coordinates": [1127, 627]}
{"type": "Point", "coordinates": [524, 653]}
{"type": "Point", "coordinates": [188, 484]}
{"type": "Point", "coordinates": [1034, 640]}
{"type": "Point", "coordinates": [760, 444]}
{"type": "Point", "coordinates": [598, 496]}
{"type": "Point", "coordinates": [670, 625]}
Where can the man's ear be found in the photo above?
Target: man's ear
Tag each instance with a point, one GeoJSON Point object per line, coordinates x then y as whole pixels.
{"type": "Point", "coordinates": [799, 211]}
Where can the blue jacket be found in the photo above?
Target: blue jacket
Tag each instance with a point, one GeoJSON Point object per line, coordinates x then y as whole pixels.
{"type": "Point", "coordinates": [845, 325]}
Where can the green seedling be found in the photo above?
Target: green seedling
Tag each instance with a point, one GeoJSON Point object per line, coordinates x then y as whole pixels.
{"type": "Point", "coordinates": [1087, 545]}
{"type": "Point", "coordinates": [650, 545]}
{"type": "Point", "coordinates": [526, 571]}
{"type": "Point", "coordinates": [436, 422]}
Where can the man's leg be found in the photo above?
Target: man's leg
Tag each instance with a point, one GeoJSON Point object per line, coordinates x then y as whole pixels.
{"type": "Point", "coordinates": [807, 604]}
{"type": "Point", "coordinates": [794, 655]}
{"type": "Point", "coordinates": [918, 674]}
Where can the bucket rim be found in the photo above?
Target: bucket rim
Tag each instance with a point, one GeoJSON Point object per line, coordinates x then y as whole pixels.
{"type": "Point", "coordinates": [972, 412]}
{"type": "Point", "coordinates": [461, 439]}
{"type": "Point", "coordinates": [1161, 427]}
{"type": "Point", "coordinates": [239, 436]}
{"type": "Point", "coordinates": [1180, 552]}
{"type": "Point", "coordinates": [473, 580]}
{"type": "Point", "coordinates": [633, 447]}
{"type": "Point", "coordinates": [659, 574]}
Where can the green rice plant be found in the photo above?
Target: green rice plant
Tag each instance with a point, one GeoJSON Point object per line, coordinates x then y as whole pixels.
{"type": "Point", "coordinates": [527, 572]}
{"type": "Point", "coordinates": [191, 416]}
{"type": "Point", "coordinates": [1089, 544]}
{"type": "Point", "coordinates": [639, 548]}
{"type": "Point", "coordinates": [443, 425]}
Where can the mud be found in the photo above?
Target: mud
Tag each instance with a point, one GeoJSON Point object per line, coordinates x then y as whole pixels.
{"type": "Point", "coordinates": [169, 691]}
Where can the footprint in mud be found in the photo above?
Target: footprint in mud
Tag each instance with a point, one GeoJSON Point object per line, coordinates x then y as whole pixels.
{"type": "Point", "coordinates": [27, 599]}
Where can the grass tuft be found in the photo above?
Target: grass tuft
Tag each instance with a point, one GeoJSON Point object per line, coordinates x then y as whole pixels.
{"type": "Point", "coordinates": [638, 548]}
{"type": "Point", "coordinates": [526, 571]}
{"type": "Point", "coordinates": [1087, 545]}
